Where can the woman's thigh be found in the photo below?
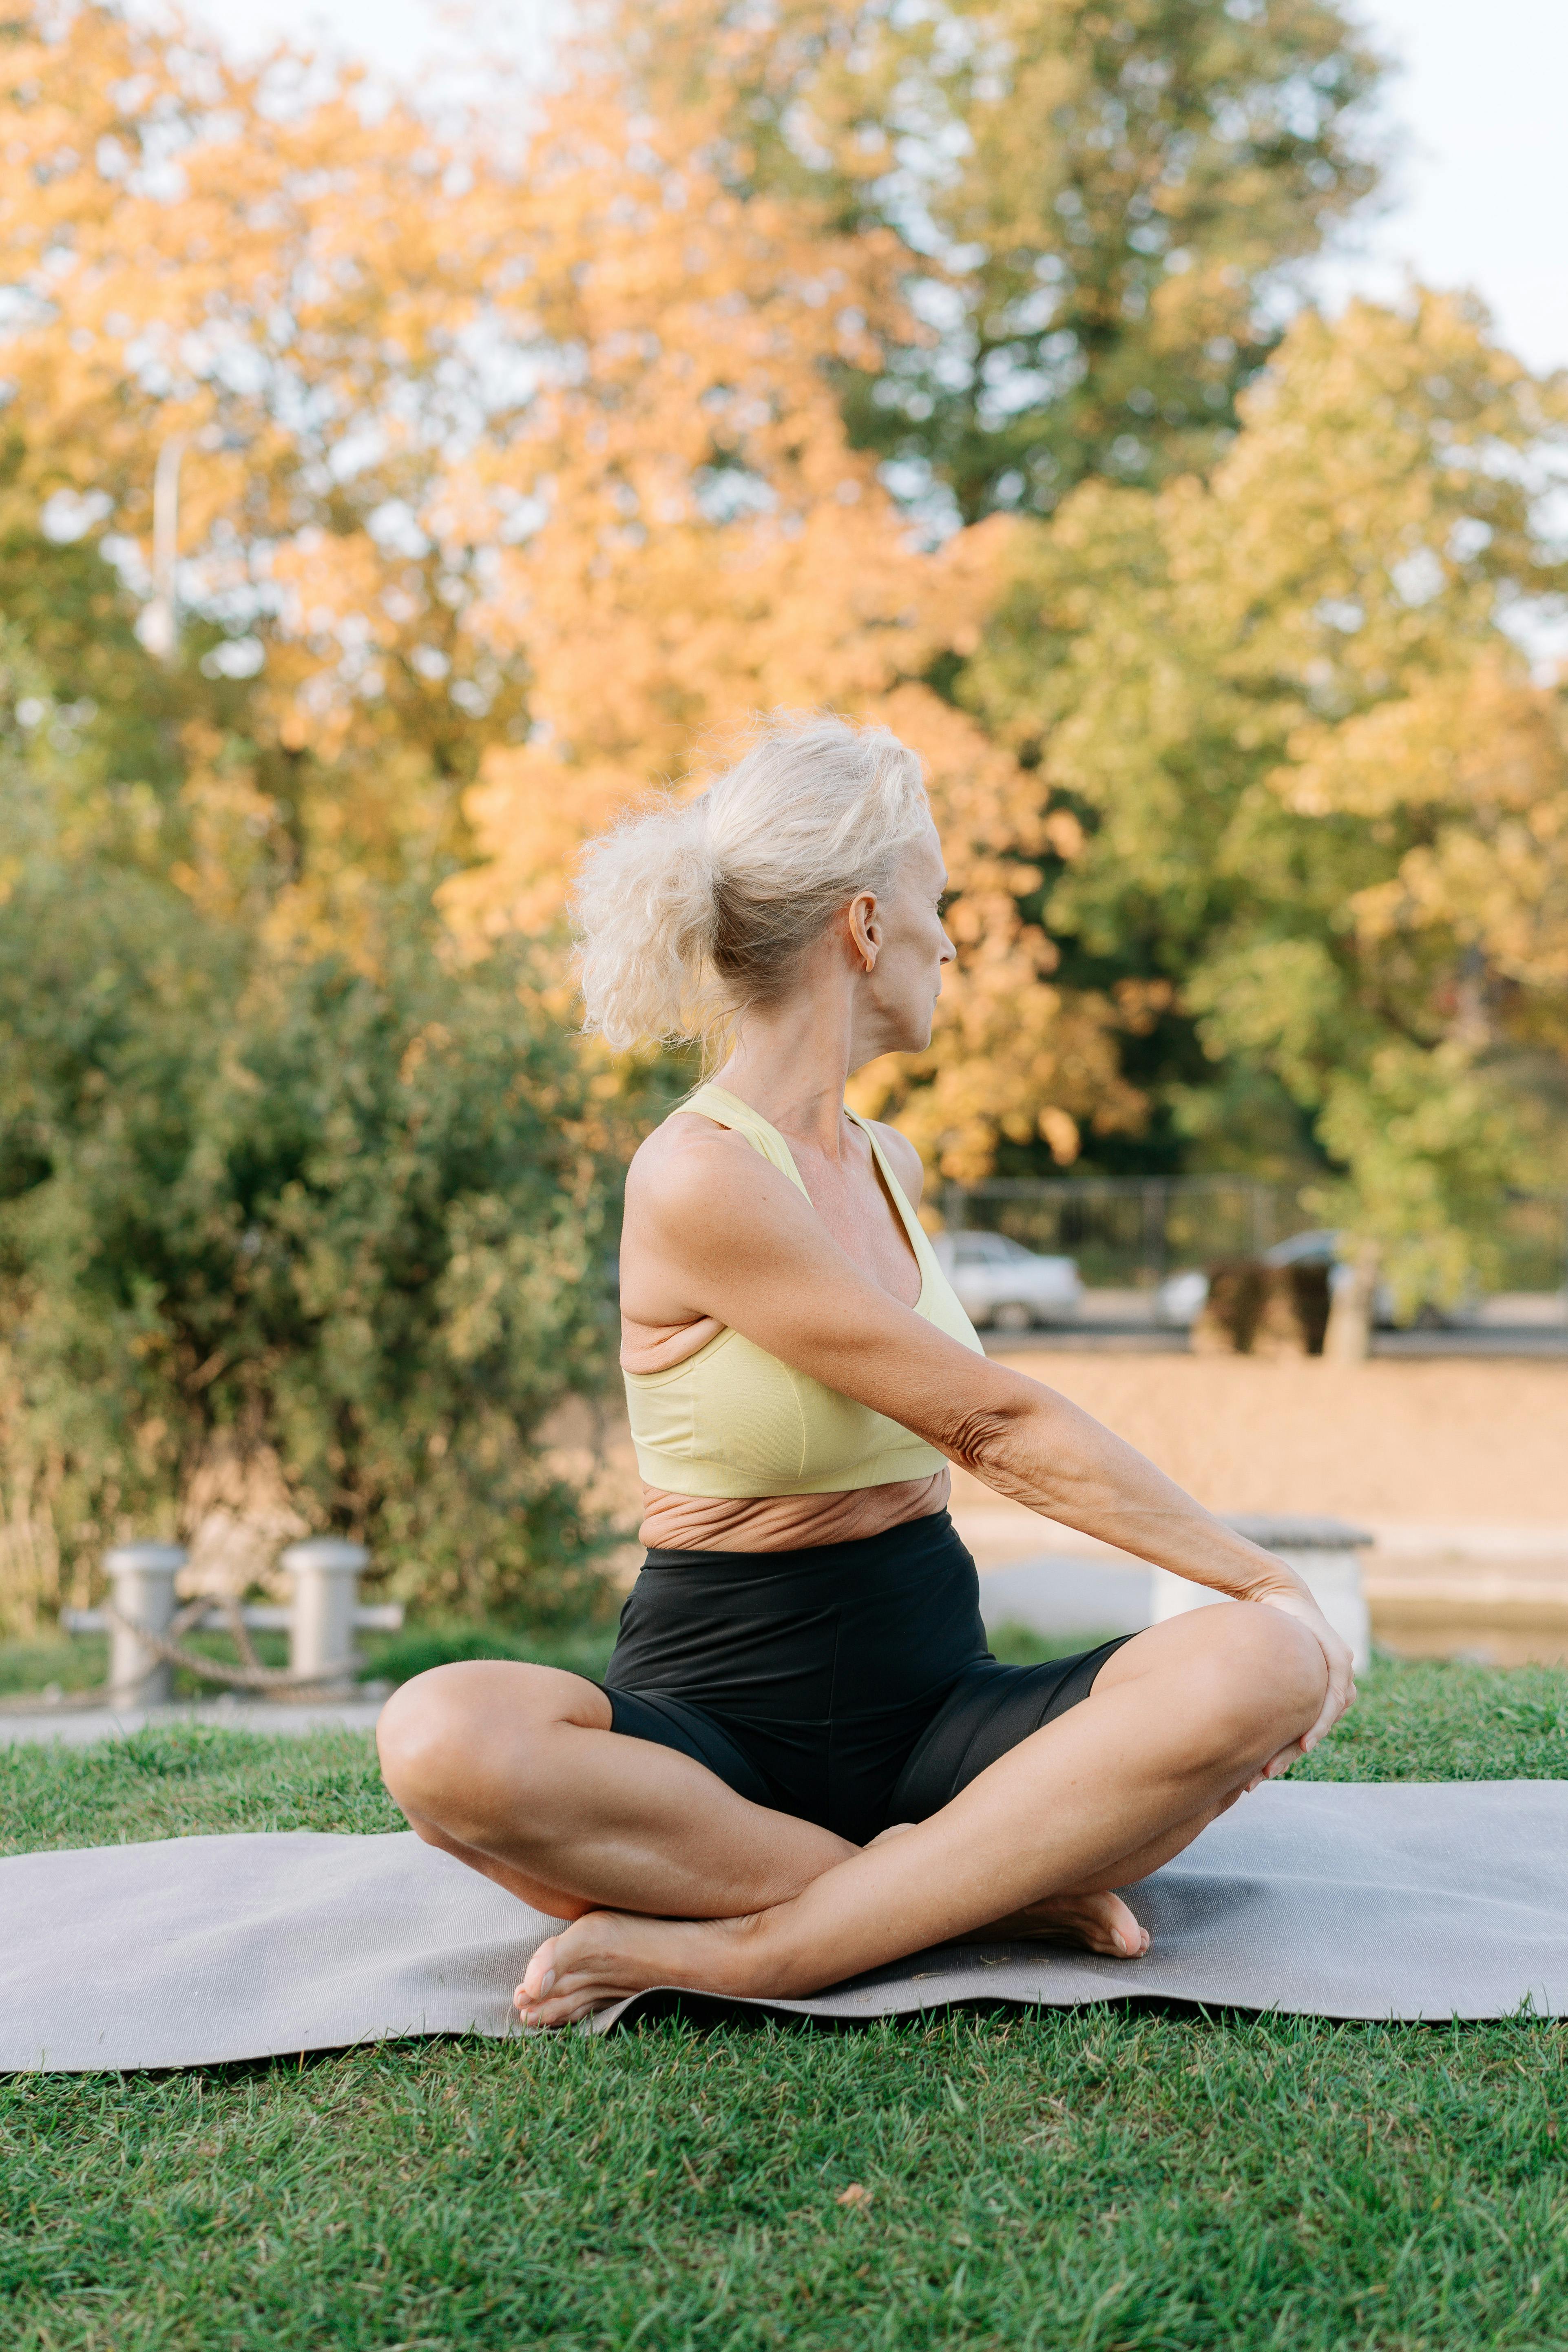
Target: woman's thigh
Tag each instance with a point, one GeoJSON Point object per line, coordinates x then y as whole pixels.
{"type": "Point", "coordinates": [1236, 1671]}
{"type": "Point", "coordinates": [989, 1711]}
{"type": "Point", "coordinates": [517, 1770]}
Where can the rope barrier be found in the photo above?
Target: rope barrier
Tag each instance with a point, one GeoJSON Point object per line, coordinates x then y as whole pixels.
{"type": "Point", "coordinates": [250, 1675]}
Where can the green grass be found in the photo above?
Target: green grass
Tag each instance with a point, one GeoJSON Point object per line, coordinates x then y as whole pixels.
{"type": "Point", "coordinates": [1107, 2180]}
{"type": "Point", "coordinates": [71, 1662]}
{"type": "Point", "coordinates": [1020, 1645]}
{"type": "Point", "coordinates": [398, 1657]}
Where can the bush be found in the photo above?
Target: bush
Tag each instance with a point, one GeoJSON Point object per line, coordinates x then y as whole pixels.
{"type": "Point", "coordinates": [303, 1235]}
{"type": "Point", "coordinates": [582, 1649]}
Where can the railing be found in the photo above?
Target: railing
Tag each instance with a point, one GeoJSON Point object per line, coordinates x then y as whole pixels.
{"type": "Point", "coordinates": [143, 1619]}
{"type": "Point", "coordinates": [1135, 1230]}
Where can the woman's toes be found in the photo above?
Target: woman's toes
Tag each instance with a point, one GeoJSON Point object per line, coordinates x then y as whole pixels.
{"type": "Point", "coordinates": [1104, 1923]}
{"type": "Point", "coordinates": [1129, 1937]}
{"type": "Point", "coordinates": [539, 1976]}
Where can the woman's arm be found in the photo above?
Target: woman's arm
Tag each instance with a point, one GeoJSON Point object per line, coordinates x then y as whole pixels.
{"type": "Point", "coordinates": [716, 1231]}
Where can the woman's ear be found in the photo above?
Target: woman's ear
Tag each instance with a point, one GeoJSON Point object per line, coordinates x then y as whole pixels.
{"type": "Point", "coordinates": [865, 930]}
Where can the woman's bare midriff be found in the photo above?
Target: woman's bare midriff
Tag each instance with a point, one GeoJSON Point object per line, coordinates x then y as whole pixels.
{"type": "Point", "coordinates": [786, 1522]}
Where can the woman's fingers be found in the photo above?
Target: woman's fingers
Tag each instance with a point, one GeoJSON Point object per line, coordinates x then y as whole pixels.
{"type": "Point", "coordinates": [1299, 1603]}
{"type": "Point", "coordinates": [1340, 1694]}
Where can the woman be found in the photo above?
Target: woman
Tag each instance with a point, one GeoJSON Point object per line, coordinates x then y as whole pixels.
{"type": "Point", "coordinates": [803, 1762]}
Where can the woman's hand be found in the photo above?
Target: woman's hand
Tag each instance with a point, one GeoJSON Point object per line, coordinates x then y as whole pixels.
{"type": "Point", "coordinates": [1293, 1600]}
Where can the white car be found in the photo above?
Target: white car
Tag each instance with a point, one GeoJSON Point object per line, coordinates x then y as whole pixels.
{"type": "Point", "coordinates": [1001, 1283]}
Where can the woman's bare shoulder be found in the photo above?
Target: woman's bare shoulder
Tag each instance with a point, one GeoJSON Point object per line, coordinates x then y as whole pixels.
{"type": "Point", "coordinates": [685, 1164]}
{"type": "Point", "coordinates": [902, 1158]}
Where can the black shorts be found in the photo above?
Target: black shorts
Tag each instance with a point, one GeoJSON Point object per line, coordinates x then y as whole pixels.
{"type": "Point", "coordinates": [848, 1685]}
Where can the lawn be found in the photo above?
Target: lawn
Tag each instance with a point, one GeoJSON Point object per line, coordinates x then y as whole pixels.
{"type": "Point", "coordinates": [1101, 2179]}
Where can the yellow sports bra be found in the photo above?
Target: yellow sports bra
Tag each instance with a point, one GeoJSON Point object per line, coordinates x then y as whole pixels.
{"type": "Point", "coordinates": [734, 1422]}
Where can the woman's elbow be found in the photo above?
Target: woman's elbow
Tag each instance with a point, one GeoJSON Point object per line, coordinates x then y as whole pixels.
{"type": "Point", "coordinates": [981, 1441]}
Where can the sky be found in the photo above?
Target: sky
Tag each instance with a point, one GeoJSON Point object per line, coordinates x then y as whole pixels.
{"type": "Point", "coordinates": [1479, 198]}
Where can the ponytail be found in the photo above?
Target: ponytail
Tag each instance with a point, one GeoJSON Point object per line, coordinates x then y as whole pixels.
{"type": "Point", "coordinates": [688, 915]}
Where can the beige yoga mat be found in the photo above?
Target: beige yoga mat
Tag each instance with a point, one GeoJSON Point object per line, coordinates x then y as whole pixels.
{"type": "Point", "coordinates": [1414, 1902]}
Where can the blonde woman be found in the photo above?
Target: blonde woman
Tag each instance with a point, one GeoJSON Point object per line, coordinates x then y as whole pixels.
{"type": "Point", "coordinates": [803, 1761]}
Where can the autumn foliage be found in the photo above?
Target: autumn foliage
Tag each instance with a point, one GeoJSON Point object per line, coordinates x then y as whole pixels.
{"type": "Point", "coordinates": [927, 365]}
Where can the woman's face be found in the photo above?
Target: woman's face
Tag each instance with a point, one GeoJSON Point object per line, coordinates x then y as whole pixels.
{"type": "Point", "coordinates": [903, 930]}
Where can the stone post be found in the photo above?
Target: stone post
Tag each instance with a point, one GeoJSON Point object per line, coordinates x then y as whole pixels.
{"type": "Point", "coordinates": [1353, 1290]}
{"type": "Point", "coordinates": [141, 1586]}
{"type": "Point", "coordinates": [326, 1573]}
{"type": "Point", "coordinates": [1325, 1555]}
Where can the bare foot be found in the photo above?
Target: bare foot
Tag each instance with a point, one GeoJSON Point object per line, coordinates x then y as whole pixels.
{"type": "Point", "coordinates": [607, 1954]}
{"type": "Point", "coordinates": [1103, 1923]}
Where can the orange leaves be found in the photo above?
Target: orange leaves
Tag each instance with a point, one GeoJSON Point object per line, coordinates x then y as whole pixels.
{"type": "Point", "coordinates": [282, 285]}
{"type": "Point", "coordinates": [527, 471]}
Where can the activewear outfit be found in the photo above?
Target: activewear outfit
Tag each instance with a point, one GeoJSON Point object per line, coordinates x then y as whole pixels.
{"type": "Point", "coordinates": [848, 1684]}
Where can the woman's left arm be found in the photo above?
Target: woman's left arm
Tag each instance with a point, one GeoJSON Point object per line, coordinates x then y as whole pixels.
{"type": "Point", "coordinates": [1037, 1446]}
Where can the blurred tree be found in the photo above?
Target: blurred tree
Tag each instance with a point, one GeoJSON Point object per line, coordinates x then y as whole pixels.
{"type": "Point", "coordinates": [1098, 208]}
{"type": "Point", "coordinates": [289, 1238]}
{"type": "Point", "coordinates": [250, 267]}
{"type": "Point", "coordinates": [705, 543]}
{"type": "Point", "coordinates": [1321, 801]}
{"type": "Point", "coordinates": [511, 474]}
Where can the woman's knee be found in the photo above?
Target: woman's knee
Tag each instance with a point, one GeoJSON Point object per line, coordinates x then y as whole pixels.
{"type": "Point", "coordinates": [1268, 1674]}
{"type": "Point", "coordinates": [441, 1732]}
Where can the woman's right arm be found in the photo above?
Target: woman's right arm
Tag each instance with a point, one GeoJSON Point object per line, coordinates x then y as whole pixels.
{"type": "Point", "coordinates": [719, 1232]}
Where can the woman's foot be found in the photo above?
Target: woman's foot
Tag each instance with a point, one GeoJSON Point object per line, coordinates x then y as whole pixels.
{"type": "Point", "coordinates": [1102, 1923]}
{"type": "Point", "coordinates": [607, 1954]}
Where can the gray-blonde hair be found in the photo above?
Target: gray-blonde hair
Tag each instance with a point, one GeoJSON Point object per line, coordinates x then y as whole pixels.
{"type": "Point", "coordinates": [697, 909]}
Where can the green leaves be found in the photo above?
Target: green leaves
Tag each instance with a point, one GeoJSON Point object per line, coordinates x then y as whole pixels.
{"type": "Point", "coordinates": [1321, 795]}
{"type": "Point", "coordinates": [338, 1216]}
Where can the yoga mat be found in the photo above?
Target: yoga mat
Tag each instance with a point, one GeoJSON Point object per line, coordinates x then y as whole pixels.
{"type": "Point", "coordinates": [1399, 1901]}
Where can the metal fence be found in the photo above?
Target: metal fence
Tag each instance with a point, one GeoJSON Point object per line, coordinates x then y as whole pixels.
{"type": "Point", "coordinates": [1130, 1232]}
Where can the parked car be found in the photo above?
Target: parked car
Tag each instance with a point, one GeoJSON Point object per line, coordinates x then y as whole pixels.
{"type": "Point", "coordinates": [1180, 1298]}
{"type": "Point", "coordinates": [1002, 1285]}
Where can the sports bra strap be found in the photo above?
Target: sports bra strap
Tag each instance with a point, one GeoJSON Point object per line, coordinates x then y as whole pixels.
{"type": "Point", "coordinates": [728, 1110]}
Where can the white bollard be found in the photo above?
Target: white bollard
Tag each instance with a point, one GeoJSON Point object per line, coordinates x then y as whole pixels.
{"type": "Point", "coordinates": [326, 1573]}
{"type": "Point", "coordinates": [1325, 1555]}
{"type": "Point", "coordinates": [141, 1578]}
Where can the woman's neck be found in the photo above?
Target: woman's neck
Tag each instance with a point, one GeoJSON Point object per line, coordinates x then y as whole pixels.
{"type": "Point", "coordinates": [803, 1102]}
{"type": "Point", "coordinates": [791, 1062]}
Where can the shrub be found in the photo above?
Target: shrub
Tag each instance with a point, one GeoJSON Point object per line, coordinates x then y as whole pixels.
{"type": "Point", "coordinates": [306, 1236]}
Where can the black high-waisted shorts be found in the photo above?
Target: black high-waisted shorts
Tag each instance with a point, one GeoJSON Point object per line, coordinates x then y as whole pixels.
{"type": "Point", "coordinates": [850, 1685]}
